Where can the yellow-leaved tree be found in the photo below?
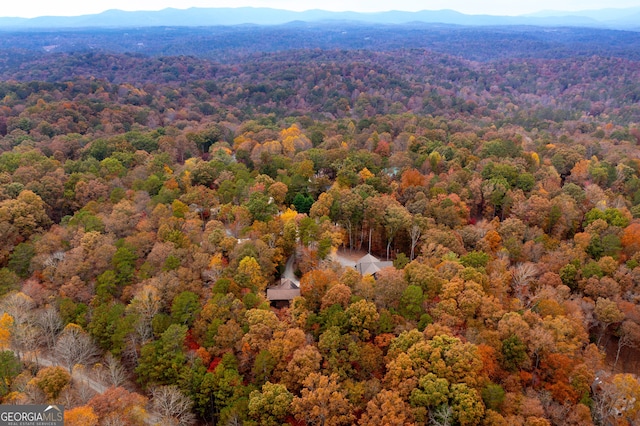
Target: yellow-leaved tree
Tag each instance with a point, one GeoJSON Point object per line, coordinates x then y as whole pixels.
{"type": "Point", "coordinates": [80, 416]}
{"type": "Point", "coordinates": [249, 275]}
{"type": "Point", "coordinates": [6, 322]}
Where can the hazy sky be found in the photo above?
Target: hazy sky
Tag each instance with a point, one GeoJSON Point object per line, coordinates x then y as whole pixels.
{"type": "Point", "coordinates": [32, 8]}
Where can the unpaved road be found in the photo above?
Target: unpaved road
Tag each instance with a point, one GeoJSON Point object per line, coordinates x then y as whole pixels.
{"type": "Point", "coordinates": [78, 374]}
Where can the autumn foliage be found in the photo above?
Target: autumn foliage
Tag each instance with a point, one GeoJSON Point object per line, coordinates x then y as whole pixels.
{"type": "Point", "coordinates": [149, 203]}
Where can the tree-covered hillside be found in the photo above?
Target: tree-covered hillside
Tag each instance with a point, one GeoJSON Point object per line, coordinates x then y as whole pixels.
{"type": "Point", "coordinates": [147, 202]}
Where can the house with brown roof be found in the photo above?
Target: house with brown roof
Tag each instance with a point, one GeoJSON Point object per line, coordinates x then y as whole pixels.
{"type": "Point", "coordinates": [281, 295]}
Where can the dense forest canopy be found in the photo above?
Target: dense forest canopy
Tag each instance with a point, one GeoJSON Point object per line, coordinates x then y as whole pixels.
{"type": "Point", "coordinates": [232, 43]}
{"type": "Point", "coordinates": [148, 198]}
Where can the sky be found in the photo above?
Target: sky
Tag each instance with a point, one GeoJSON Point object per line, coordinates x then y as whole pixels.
{"type": "Point", "coordinates": [33, 8]}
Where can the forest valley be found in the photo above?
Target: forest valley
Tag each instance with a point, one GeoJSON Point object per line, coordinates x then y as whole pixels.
{"type": "Point", "coordinates": [148, 201]}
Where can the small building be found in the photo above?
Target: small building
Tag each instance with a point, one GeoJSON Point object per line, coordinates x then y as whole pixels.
{"type": "Point", "coordinates": [370, 265]}
{"type": "Point", "coordinates": [281, 295]}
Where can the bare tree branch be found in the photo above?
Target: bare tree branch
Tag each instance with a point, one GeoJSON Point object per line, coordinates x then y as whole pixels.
{"type": "Point", "coordinates": [74, 346]}
{"type": "Point", "coordinates": [172, 406]}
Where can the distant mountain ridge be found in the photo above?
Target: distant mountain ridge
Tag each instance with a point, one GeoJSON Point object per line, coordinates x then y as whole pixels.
{"type": "Point", "coordinates": [200, 17]}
